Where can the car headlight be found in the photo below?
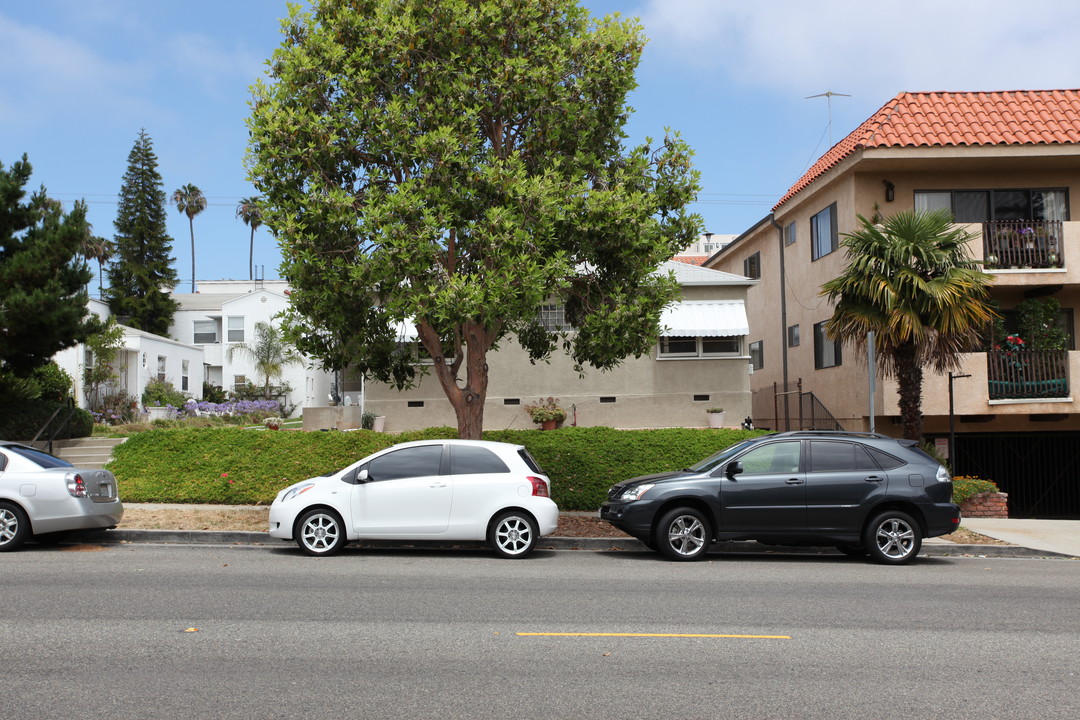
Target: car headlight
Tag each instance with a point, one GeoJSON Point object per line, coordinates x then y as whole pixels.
{"type": "Point", "coordinates": [296, 490]}
{"type": "Point", "coordinates": [635, 493]}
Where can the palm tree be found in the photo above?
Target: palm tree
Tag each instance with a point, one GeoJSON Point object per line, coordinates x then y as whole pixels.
{"type": "Point", "coordinates": [100, 249]}
{"type": "Point", "coordinates": [190, 201]}
{"type": "Point", "coordinates": [270, 353]}
{"type": "Point", "coordinates": [248, 211]}
{"type": "Point", "coordinates": [912, 283]}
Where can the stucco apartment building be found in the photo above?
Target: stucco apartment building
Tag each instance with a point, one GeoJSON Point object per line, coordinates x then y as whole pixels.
{"type": "Point", "coordinates": [1007, 164]}
{"type": "Point", "coordinates": [699, 362]}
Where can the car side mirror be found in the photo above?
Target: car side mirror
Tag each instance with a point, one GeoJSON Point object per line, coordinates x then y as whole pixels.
{"type": "Point", "coordinates": [733, 469]}
{"type": "Point", "coordinates": [362, 475]}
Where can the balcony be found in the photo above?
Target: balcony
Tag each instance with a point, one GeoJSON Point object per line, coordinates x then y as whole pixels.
{"type": "Point", "coordinates": [1027, 374]}
{"type": "Point", "coordinates": [1023, 244]}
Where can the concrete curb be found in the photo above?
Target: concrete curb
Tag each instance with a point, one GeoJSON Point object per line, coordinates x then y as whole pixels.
{"type": "Point", "coordinates": [930, 548]}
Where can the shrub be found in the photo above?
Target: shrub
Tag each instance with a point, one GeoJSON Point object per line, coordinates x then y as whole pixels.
{"type": "Point", "coordinates": [966, 487]}
{"type": "Point", "coordinates": [22, 420]}
{"type": "Point", "coordinates": [54, 383]}
{"type": "Point", "coordinates": [161, 393]}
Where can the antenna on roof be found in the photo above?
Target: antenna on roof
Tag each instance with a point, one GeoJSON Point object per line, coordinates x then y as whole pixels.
{"type": "Point", "coordinates": [828, 95]}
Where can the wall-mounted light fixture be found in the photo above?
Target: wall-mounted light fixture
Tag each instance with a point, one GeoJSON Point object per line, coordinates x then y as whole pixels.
{"type": "Point", "coordinates": [890, 191]}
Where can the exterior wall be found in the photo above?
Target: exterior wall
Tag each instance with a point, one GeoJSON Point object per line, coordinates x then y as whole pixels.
{"type": "Point", "coordinates": [857, 186]}
{"type": "Point", "coordinates": [642, 392]}
{"type": "Point", "coordinates": [143, 351]}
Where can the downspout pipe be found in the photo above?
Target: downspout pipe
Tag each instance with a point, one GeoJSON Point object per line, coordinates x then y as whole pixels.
{"type": "Point", "coordinates": [783, 320]}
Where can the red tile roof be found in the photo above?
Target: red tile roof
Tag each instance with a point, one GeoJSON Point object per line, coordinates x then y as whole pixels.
{"type": "Point", "coordinates": [942, 119]}
{"type": "Point", "coordinates": [691, 259]}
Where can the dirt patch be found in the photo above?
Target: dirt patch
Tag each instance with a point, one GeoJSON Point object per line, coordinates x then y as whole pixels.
{"type": "Point", "coordinates": [256, 519]}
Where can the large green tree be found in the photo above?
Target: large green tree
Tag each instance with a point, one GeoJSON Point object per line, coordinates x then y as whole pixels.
{"type": "Point", "coordinates": [910, 281]}
{"type": "Point", "coordinates": [190, 200]}
{"type": "Point", "coordinates": [43, 276]}
{"type": "Point", "coordinates": [457, 165]}
{"type": "Point", "coordinates": [140, 271]}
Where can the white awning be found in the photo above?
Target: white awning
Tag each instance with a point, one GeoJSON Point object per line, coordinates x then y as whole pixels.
{"type": "Point", "coordinates": [704, 318]}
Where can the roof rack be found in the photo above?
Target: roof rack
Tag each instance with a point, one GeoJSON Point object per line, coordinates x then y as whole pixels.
{"type": "Point", "coordinates": [836, 433]}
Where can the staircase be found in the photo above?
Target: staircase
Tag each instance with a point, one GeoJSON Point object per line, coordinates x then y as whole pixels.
{"type": "Point", "coordinates": [90, 452]}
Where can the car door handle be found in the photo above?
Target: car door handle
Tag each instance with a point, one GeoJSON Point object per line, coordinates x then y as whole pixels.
{"type": "Point", "coordinates": [873, 478]}
{"type": "Point", "coordinates": [437, 484]}
{"type": "Point", "coordinates": [793, 481]}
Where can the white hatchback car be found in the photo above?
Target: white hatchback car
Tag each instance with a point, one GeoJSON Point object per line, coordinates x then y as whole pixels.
{"type": "Point", "coordinates": [423, 490]}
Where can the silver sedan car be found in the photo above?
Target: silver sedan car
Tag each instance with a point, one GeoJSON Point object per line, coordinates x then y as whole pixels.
{"type": "Point", "coordinates": [42, 494]}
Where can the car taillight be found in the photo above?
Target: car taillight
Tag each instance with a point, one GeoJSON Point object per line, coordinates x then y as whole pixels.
{"type": "Point", "coordinates": [540, 488]}
{"type": "Point", "coordinates": [75, 486]}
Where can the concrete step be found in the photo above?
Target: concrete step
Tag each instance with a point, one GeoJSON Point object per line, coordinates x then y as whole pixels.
{"type": "Point", "coordinates": [91, 453]}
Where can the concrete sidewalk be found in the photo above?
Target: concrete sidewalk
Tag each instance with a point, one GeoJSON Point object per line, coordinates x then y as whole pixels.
{"type": "Point", "coordinates": [1056, 536]}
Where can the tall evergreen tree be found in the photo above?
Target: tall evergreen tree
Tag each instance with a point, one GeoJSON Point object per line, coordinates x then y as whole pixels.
{"type": "Point", "coordinates": [43, 277]}
{"type": "Point", "coordinates": [141, 272]}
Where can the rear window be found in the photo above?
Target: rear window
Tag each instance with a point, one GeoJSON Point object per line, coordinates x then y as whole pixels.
{"type": "Point", "coordinates": [533, 465]}
{"type": "Point", "coordinates": [470, 460]}
{"type": "Point", "coordinates": [887, 461]}
{"type": "Point", "coordinates": [39, 458]}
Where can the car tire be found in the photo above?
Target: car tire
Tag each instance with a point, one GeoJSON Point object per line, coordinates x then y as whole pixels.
{"type": "Point", "coordinates": [320, 532]}
{"type": "Point", "coordinates": [513, 534]}
{"type": "Point", "coordinates": [14, 527]}
{"type": "Point", "coordinates": [683, 534]}
{"type": "Point", "coordinates": [893, 538]}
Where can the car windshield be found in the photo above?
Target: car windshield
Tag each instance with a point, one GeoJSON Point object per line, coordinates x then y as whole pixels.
{"type": "Point", "coordinates": [39, 458]}
{"type": "Point", "coordinates": [713, 461]}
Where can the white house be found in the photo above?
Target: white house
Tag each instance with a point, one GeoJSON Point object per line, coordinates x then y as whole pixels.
{"type": "Point", "coordinates": [224, 313]}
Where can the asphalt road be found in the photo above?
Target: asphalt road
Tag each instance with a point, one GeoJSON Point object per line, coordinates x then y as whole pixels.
{"type": "Point", "coordinates": [147, 631]}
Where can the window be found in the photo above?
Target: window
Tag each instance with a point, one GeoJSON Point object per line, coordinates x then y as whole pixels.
{"type": "Point", "coordinates": [757, 355]}
{"type": "Point", "coordinates": [239, 382]}
{"type": "Point", "coordinates": [686, 346]}
{"type": "Point", "coordinates": [161, 360]}
{"type": "Point", "coordinates": [793, 336]}
{"type": "Point", "coordinates": [469, 460]}
{"type": "Point", "coordinates": [411, 462]}
{"type": "Point", "coordinates": [553, 317]}
{"type": "Point", "coordinates": [823, 232]}
{"type": "Point", "coordinates": [236, 329]}
{"type": "Point", "coordinates": [751, 266]}
{"type": "Point", "coordinates": [184, 364]}
{"type": "Point", "coordinates": [826, 351]}
{"type": "Point", "coordinates": [789, 234]}
{"type": "Point", "coordinates": [976, 206]}
{"type": "Point", "coordinates": [777, 457]}
{"type": "Point", "coordinates": [205, 332]}
{"type": "Point", "coordinates": [828, 456]}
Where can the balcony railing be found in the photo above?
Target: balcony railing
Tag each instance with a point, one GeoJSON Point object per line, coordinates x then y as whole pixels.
{"type": "Point", "coordinates": [1027, 374]}
{"type": "Point", "coordinates": [1023, 244]}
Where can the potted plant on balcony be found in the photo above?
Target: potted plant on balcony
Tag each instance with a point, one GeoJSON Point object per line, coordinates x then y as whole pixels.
{"type": "Point", "coordinates": [546, 413]}
{"type": "Point", "coordinates": [716, 417]}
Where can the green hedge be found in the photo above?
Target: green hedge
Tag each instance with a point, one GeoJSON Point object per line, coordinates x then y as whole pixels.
{"type": "Point", "coordinates": [23, 419]}
{"type": "Point", "coordinates": [234, 466]}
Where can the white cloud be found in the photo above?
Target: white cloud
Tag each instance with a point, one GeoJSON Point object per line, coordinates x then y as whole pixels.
{"type": "Point", "coordinates": [803, 47]}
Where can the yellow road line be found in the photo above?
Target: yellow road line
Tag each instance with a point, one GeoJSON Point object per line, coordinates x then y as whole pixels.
{"type": "Point", "coordinates": [670, 635]}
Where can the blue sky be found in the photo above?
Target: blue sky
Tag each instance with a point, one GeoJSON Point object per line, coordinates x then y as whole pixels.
{"type": "Point", "coordinates": [79, 79]}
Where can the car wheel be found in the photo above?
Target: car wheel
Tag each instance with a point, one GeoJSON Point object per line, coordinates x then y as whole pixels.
{"type": "Point", "coordinates": [683, 534]}
{"type": "Point", "coordinates": [513, 534]}
{"type": "Point", "coordinates": [852, 550]}
{"type": "Point", "coordinates": [320, 532]}
{"type": "Point", "coordinates": [893, 538]}
{"type": "Point", "coordinates": [14, 527]}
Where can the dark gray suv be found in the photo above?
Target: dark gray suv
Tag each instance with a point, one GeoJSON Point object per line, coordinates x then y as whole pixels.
{"type": "Point", "coordinates": [863, 493]}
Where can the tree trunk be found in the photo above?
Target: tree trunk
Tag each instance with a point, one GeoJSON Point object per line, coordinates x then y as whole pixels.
{"type": "Point", "coordinates": [909, 388]}
{"type": "Point", "coordinates": [467, 401]}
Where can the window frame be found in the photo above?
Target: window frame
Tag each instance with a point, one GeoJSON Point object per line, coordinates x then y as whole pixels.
{"type": "Point", "coordinates": [195, 333]}
{"type": "Point", "coordinates": [757, 354]}
{"type": "Point", "coordinates": [232, 334]}
{"type": "Point", "coordinates": [699, 351]}
{"type": "Point", "coordinates": [816, 243]}
{"type": "Point", "coordinates": [821, 340]}
{"type": "Point", "coordinates": [752, 266]}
